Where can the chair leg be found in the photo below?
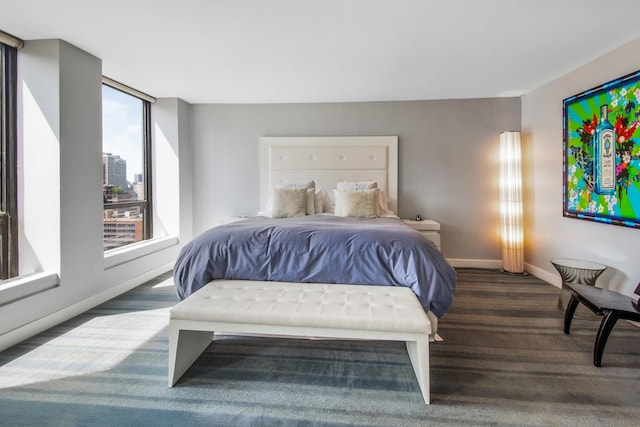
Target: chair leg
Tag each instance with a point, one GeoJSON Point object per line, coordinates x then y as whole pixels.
{"type": "Point", "coordinates": [569, 312]}
{"type": "Point", "coordinates": [608, 322]}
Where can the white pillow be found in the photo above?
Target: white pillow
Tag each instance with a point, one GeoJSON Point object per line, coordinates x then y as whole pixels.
{"type": "Point", "coordinates": [310, 185]}
{"type": "Point", "coordinates": [359, 204]}
{"type": "Point", "coordinates": [298, 184]}
{"type": "Point", "coordinates": [288, 202]}
{"type": "Point", "coordinates": [356, 185]}
{"type": "Point", "coordinates": [329, 201]}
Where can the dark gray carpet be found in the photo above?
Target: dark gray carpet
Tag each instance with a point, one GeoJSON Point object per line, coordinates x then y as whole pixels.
{"type": "Point", "coordinates": [504, 361]}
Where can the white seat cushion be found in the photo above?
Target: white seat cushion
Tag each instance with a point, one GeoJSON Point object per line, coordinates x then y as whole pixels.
{"type": "Point", "coordinates": [375, 308]}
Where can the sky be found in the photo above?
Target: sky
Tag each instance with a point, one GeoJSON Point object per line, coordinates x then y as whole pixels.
{"type": "Point", "coordinates": [122, 128]}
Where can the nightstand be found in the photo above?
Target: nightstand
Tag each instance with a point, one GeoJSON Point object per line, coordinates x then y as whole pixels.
{"type": "Point", "coordinates": [428, 227]}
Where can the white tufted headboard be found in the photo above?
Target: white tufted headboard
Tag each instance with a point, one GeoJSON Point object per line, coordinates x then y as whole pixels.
{"type": "Point", "coordinates": [329, 160]}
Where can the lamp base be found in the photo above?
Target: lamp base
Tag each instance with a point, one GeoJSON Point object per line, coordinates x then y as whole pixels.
{"type": "Point", "coordinates": [511, 273]}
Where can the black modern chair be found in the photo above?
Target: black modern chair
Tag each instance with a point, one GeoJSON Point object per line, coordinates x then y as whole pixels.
{"type": "Point", "coordinates": [603, 302]}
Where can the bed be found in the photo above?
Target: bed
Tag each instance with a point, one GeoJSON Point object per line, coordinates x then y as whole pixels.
{"type": "Point", "coordinates": [347, 234]}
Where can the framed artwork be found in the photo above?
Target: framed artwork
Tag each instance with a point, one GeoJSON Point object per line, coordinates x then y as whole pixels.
{"type": "Point", "coordinates": [602, 153]}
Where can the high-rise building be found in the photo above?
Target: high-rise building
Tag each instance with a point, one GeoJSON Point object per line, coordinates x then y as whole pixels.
{"type": "Point", "coordinates": [114, 170]}
{"type": "Point", "coordinates": [121, 231]}
{"type": "Point", "coordinates": [138, 188]}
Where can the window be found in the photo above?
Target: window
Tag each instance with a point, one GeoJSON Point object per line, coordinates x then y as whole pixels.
{"type": "Point", "coordinates": [126, 168]}
{"type": "Point", "coordinates": [8, 180]}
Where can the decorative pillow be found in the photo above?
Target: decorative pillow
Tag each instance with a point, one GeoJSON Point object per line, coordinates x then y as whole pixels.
{"type": "Point", "coordinates": [383, 205]}
{"type": "Point", "coordinates": [383, 201]}
{"type": "Point", "coordinates": [359, 204]}
{"type": "Point", "coordinates": [310, 205]}
{"type": "Point", "coordinates": [310, 185]}
{"type": "Point", "coordinates": [289, 202]}
{"type": "Point", "coordinates": [318, 200]}
{"type": "Point", "coordinates": [356, 185]}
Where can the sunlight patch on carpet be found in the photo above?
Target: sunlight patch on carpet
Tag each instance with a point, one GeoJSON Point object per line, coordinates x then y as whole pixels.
{"type": "Point", "coordinates": [98, 344]}
{"type": "Point", "coordinates": [164, 284]}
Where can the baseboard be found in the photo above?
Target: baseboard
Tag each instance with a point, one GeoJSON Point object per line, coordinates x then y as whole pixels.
{"type": "Point", "coordinates": [475, 263]}
{"type": "Point", "coordinates": [551, 278]}
{"type": "Point", "coordinates": [22, 333]}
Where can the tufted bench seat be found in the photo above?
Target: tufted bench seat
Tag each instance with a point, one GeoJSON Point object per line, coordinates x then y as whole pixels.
{"type": "Point", "coordinates": [298, 310]}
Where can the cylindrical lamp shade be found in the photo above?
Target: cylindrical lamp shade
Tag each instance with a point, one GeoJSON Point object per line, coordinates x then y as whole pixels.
{"type": "Point", "coordinates": [511, 202]}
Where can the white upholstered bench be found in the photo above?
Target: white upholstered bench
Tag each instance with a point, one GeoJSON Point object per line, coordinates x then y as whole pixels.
{"type": "Point", "coordinates": [299, 310]}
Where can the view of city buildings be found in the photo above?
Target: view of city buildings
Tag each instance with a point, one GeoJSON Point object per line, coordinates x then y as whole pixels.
{"type": "Point", "coordinates": [122, 225]}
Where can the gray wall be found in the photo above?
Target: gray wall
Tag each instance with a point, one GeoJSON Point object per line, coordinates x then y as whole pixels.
{"type": "Point", "coordinates": [547, 233]}
{"type": "Point", "coordinates": [448, 153]}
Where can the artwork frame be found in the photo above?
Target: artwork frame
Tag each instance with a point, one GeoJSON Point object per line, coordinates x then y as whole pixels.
{"type": "Point", "coordinates": [601, 153]}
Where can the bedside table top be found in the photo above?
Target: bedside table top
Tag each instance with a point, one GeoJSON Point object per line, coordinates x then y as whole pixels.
{"type": "Point", "coordinates": [425, 224]}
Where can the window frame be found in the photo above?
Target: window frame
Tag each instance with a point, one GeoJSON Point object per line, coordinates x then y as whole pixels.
{"type": "Point", "coordinates": [145, 205]}
{"type": "Point", "coordinates": [9, 266]}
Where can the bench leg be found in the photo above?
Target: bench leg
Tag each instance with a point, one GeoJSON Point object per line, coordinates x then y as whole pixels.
{"type": "Point", "coordinates": [419, 355]}
{"type": "Point", "coordinates": [184, 348]}
{"type": "Point", "coordinates": [568, 314]}
{"type": "Point", "coordinates": [608, 322]}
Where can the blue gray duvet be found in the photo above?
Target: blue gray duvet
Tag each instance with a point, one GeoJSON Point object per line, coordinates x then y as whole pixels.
{"type": "Point", "coordinates": [319, 249]}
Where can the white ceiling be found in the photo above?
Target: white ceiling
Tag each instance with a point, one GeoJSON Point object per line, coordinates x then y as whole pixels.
{"type": "Point", "coordinates": [272, 51]}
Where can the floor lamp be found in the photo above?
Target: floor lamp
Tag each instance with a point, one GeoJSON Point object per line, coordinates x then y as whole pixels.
{"type": "Point", "coordinates": [511, 203]}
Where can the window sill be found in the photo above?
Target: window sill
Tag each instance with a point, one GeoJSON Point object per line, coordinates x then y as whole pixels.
{"type": "Point", "coordinates": [21, 287]}
{"type": "Point", "coordinates": [134, 251]}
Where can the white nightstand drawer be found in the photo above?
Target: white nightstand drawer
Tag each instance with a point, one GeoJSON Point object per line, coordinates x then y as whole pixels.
{"type": "Point", "coordinates": [429, 229]}
{"type": "Point", "coordinates": [433, 236]}
{"type": "Point", "coordinates": [424, 225]}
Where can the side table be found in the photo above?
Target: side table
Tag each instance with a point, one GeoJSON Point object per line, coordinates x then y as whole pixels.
{"type": "Point", "coordinates": [603, 302]}
{"type": "Point", "coordinates": [576, 271]}
{"type": "Point", "coordinates": [428, 228]}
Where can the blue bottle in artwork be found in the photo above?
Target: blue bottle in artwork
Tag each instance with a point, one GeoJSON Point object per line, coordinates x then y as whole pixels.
{"type": "Point", "coordinates": [604, 159]}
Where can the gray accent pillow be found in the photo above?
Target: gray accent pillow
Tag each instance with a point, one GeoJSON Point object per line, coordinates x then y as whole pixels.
{"type": "Point", "coordinates": [310, 185]}
{"type": "Point", "coordinates": [289, 202]}
{"type": "Point", "coordinates": [359, 204]}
